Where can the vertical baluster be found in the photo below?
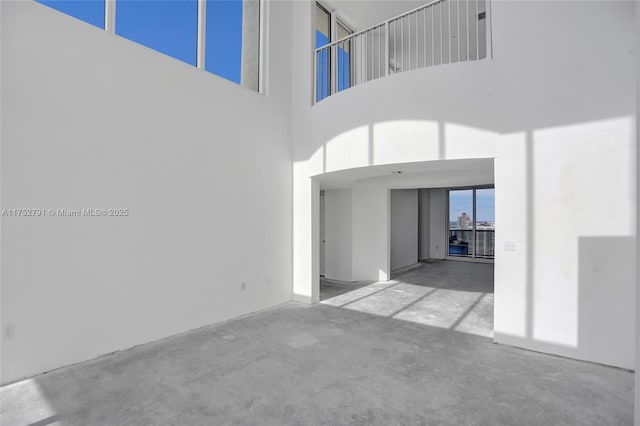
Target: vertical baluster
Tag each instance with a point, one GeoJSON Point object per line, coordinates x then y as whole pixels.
{"type": "Point", "coordinates": [373, 43]}
{"type": "Point", "coordinates": [417, 42]}
{"type": "Point", "coordinates": [425, 36]}
{"type": "Point", "coordinates": [468, 32]}
{"type": "Point", "coordinates": [409, 39]}
{"type": "Point", "coordinates": [340, 55]}
{"type": "Point", "coordinates": [379, 52]}
{"type": "Point", "coordinates": [449, 38]}
{"type": "Point", "coordinates": [366, 56]}
{"type": "Point", "coordinates": [441, 33]}
{"type": "Point", "coordinates": [433, 36]}
{"type": "Point", "coordinates": [402, 41]}
{"type": "Point", "coordinates": [395, 42]}
{"type": "Point", "coordinates": [458, 27]}
{"type": "Point", "coordinates": [363, 60]}
{"type": "Point", "coordinates": [387, 38]}
{"type": "Point", "coordinates": [327, 80]}
{"type": "Point", "coordinates": [477, 30]}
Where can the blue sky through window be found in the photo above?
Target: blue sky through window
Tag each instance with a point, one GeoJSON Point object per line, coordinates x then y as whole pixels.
{"type": "Point", "coordinates": [485, 205]}
{"type": "Point", "coordinates": [343, 69]}
{"type": "Point", "coordinates": [90, 11]}
{"type": "Point", "coordinates": [462, 201]}
{"type": "Point", "coordinates": [223, 45]}
{"type": "Point", "coordinates": [323, 66]}
{"type": "Point", "coordinates": [168, 26]}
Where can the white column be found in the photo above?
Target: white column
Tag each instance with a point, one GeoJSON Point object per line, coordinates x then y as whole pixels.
{"type": "Point", "coordinates": [306, 236]}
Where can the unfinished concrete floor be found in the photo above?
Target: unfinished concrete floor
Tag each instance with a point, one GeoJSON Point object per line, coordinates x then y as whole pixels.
{"type": "Point", "coordinates": [322, 365]}
{"type": "Point", "coordinates": [447, 294]}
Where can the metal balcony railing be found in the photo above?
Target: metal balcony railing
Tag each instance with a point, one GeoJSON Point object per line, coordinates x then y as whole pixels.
{"type": "Point", "coordinates": [440, 32]}
{"type": "Point", "coordinates": [463, 242]}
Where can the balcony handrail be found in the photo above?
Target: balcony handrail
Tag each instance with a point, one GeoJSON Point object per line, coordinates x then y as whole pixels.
{"type": "Point", "coordinates": [381, 24]}
{"type": "Point", "coordinates": [435, 33]}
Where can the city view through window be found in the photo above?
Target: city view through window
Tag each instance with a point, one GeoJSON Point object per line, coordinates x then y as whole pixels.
{"type": "Point", "coordinates": [472, 223]}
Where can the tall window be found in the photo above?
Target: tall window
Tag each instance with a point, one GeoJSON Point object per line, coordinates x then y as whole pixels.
{"type": "Point", "coordinates": [329, 29]}
{"type": "Point", "coordinates": [229, 46]}
{"type": "Point", "coordinates": [323, 35]}
{"type": "Point", "coordinates": [168, 26]}
{"type": "Point", "coordinates": [233, 40]}
{"type": "Point", "coordinates": [89, 11]}
{"type": "Point", "coordinates": [224, 38]}
{"type": "Point", "coordinates": [472, 223]}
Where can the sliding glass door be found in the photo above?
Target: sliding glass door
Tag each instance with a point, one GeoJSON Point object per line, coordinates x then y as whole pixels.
{"type": "Point", "coordinates": [471, 223]}
{"type": "Point", "coordinates": [461, 223]}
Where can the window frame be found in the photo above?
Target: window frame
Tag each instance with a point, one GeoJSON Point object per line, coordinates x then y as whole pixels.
{"type": "Point", "coordinates": [472, 257]}
{"type": "Point", "coordinates": [334, 20]}
{"type": "Point", "coordinates": [263, 22]}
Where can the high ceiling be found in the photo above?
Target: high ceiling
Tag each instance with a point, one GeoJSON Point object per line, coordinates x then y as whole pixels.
{"type": "Point", "coordinates": [362, 14]}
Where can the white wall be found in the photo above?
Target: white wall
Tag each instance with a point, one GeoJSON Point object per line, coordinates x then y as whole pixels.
{"type": "Point", "coordinates": [371, 234]}
{"type": "Point", "coordinates": [565, 179]}
{"type": "Point", "coordinates": [403, 227]}
{"type": "Point", "coordinates": [338, 234]}
{"type": "Point", "coordinates": [424, 221]}
{"type": "Point", "coordinates": [564, 145]}
{"type": "Point", "coordinates": [90, 120]}
{"type": "Point", "coordinates": [438, 241]}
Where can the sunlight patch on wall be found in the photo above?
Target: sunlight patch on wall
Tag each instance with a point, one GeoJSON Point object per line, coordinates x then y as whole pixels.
{"type": "Point", "coordinates": [468, 142]}
{"type": "Point", "coordinates": [348, 150]}
{"type": "Point", "coordinates": [405, 141]}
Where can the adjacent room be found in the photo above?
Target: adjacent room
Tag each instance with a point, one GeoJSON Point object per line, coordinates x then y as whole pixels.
{"type": "Point", "coordinates": [441, 251]}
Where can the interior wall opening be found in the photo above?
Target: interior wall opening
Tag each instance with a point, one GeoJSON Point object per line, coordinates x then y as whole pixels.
{"type": "Point", "coordinates": [425, 285]}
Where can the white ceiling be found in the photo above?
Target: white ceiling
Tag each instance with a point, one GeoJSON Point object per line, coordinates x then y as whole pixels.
{"type": "Point", "coordinates": [362, 14]}
{"type": "Point", "coordinates": [428, 174]}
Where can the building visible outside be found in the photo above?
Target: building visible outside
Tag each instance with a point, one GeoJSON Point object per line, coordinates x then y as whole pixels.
{"type": "Point", "coordinates": [463, 240]}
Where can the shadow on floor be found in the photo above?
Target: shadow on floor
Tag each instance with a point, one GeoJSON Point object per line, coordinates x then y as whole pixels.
{"type": "Point", "coordinates": [333, 288]}
{"type": "Point", "coordinates": [320, 365]}
{"type": "Point", "coordinates": [445, 294]}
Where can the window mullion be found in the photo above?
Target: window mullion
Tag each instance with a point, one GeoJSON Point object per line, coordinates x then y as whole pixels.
{"type": "Point", "coordinates": [202, 28]}
{"type": "Point", "coordinates": [110, 16]}
{"type": "Point", "coordinates": [473, 235]}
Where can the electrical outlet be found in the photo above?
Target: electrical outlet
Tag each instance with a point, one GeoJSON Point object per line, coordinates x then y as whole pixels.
{"type": "Point", "coordinates": [437, 247]}
{"type": "Point", "coordinates": [509, 246]}
{"type": "Point", "coordinates": [243, 285]}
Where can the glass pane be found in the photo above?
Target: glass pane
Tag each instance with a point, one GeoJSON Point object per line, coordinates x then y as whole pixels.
{"type": "Point", "coordinates": [168, 26]}
{"type": "Point", "coordinates": [344, 67]}
{"type": "Point", "coordinates": [460, 222]}
{"type": "Point", "coordinates": [342, 32]}
{"type": "Point", "coordinates": [485, 223]}
{"type": "Point", "coordinates": [223, 46]}
{"type": "Point", "coordinates": [89, 11]}
{"type": "Point", "coordinates": [323, 27]}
